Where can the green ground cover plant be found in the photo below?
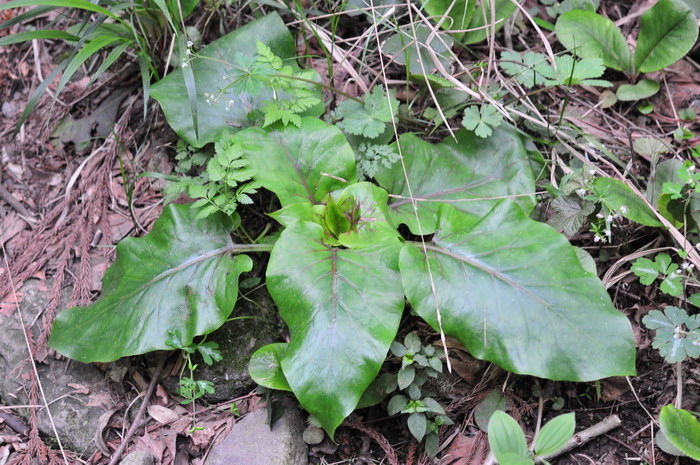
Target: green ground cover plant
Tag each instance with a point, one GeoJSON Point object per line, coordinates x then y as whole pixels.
{"type": "Point", "coordinates": [477, 267]}
{"type": "Point", "coordinates": [668, 30]}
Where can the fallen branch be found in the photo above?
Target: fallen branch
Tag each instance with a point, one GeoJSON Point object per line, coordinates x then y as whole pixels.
{"type": "Point", "coordinates": [582, 437]}
{"type": "Point", "coordinates": [578, 439]}
{"type": "Point", "coordinates": [137, 420]}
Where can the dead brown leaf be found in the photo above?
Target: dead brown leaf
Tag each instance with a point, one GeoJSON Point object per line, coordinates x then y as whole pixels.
{"type": "Point", "coordinates": [162, 415]}
{"type": "Point", "coordinates": [466, 450]}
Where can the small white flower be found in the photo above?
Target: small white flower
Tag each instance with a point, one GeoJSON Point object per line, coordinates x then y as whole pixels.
{"type": "Point", "coordinates": [188, 51]}
{"type": "Point", "coordinates": [591, 172]}
{"type": "Point", "coordinates": [691, 168]}
{"type": "Point", "coordinates": [609, 218]}
{"type": "Point", "coordinates": [685, 265]}
{"type": "Point", "coordinates": [596, 238]}
{"type": "Point", "coordinates": [581, 191]}
{"type": "Point", "coordinates": [599, 215]}
{"type": "Point", "coordinates": [184, 64]}
{"type": "Point", "coordinates": [189, 44]}
{"type": "Point", "coordinates": [623, 209]}
{"type": "Point", "coordinates": [607, 232]}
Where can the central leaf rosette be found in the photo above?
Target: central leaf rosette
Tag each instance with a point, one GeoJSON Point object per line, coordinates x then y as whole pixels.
{"type": "Point", "coordinates": [342, 299]}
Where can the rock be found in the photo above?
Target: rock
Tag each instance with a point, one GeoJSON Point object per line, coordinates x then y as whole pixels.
{"type": "Point", "coordinates": [237, 341]}
{"type": "Point", "coordinates": [138, 457]}
{"type": "Point", "coordinates": [252, 442]}
{"type": "Point", "coordinates": [9, 109]}
{"type": "Point", "coordinates": [78, 393]}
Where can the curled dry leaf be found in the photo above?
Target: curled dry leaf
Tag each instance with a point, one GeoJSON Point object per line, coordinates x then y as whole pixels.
{"type": "Point", "coordinates": [162, 415]}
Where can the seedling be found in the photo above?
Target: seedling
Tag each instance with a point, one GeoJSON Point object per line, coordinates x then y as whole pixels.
{"type": "Point", "coordinates": [668, 30]}
{"type": "Point", "coordinates": [508, 444]}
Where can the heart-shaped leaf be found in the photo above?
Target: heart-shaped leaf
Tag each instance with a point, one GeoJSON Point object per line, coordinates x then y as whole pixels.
{"type": "Point", "coordinates": [211, 73]}
{"type": "Point", "coordinates": [409, 47]}
{"type": "Point", "coordinates": [265, 367]}
{"type": "Point", "coordinates": [300, 165]}
{"type": "Point", "coordinates": [641, 90]}
{"type": "Point", "coordinates": [513, 292]}
{"type": "Point", "coordinates": [482, 17]}
{"type": "Point", "coordinates": [343, 308]}
{"type": "Point", "coordinates": [178, 278]}
{"type": "Point", "coordinates": [591, 35]}
{"type": "Point", "coordinates": [667, 31]}
{"type": "Point", "coordinates": [459, 13]}
{"type": "Point", "coordinates": [471, 174]}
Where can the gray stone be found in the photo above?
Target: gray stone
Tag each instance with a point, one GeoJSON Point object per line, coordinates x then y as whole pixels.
{"type": "Point", "coordinates": [252, 442]}
{"type": "Point", "coordinates": [77, 393]}
{"type": "Point", "coordinates": [138, 457]}
{"type": "Point", "coordinates": [237, 341]}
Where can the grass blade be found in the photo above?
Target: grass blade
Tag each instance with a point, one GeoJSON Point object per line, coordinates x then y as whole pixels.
{"type": "Point", "coordinates": [35, 97]}
{"type": "Point", "coordinates": [31, 35]}
{"type": "Point", "coordinates": [79, 4]}
{"type": "Point", "coordinates": [87, 51]}
{"type": "Point", "coordinates": [33, 13]}
{"type": "Point", "coordinates": [111, 58]}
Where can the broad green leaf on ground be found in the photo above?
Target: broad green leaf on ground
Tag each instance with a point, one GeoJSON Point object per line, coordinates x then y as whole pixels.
{"type": "Point", "coordinates": [180, 277]}
{"type": "Point", "coordinates": [591, 35]}
{"type": "Point", "coordinates": [343, 308]}
{"type": "Point", "coordinates": [555, 434]}
{"type": "Point", "coordinates": [666, 172]}
{"type": "Point", "coordinates": [459, 14]}
{"type": "Point", "coordinates": [482, 16]}
{"type": "Point", "coordinates": [265, 367]}
{"type": "Point", "coordinates": [617, 196]}
{"type": "Point", "coordinates": [493, 401]}
{"type": "Point", "coordinates": [682, 429]}
{"type": "Point", "coordinates": [211, 71]}
{"type": "Point", "coordinates": [471, 173]}
{"type": "Point", "coordinates": [513, 292]}
{"type": "Point", "coordinates": [368, 119]}
{"type": "Point", "coordinates": [506, 438]}
{"type": "Point", "coordinates": [641, 90]}
{"type": "Point", "coordinates": [412, 50]}
{"type": "Point", "coordinates": [300, 165]}
{"type": "Point", "coordinates": [652, 147]}
{"type": "Point", "coordinates": [667, 31]}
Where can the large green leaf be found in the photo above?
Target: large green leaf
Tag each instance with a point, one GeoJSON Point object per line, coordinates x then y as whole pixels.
{"type": "Point", "coordinates": [682, 429]}
{"type": "Point", "coordinates": [594, 36]}
{"type": "Point", "coordinates": [265, 368]}
{"type": "Point", "coordinates": [503, 9]}
{"type": "Point", "coordinates": [459, 13]}
{"type": "Point", "coordinates": [471, 173]}
{"type": "Point", "coordinates": [667, 32]}
{"type": "Point", "coordinates": [618, 196]}
{"type": "Point", "coordinates": [215, 62]}
{"type": "Point", "coordinates": [343, 308]}
{"type": "Point", "coordinates": [300, 165]}
{"type": "Point", "coordinates": [513, 292]}
{"type": "Point", "coordinates": [179, 277]}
